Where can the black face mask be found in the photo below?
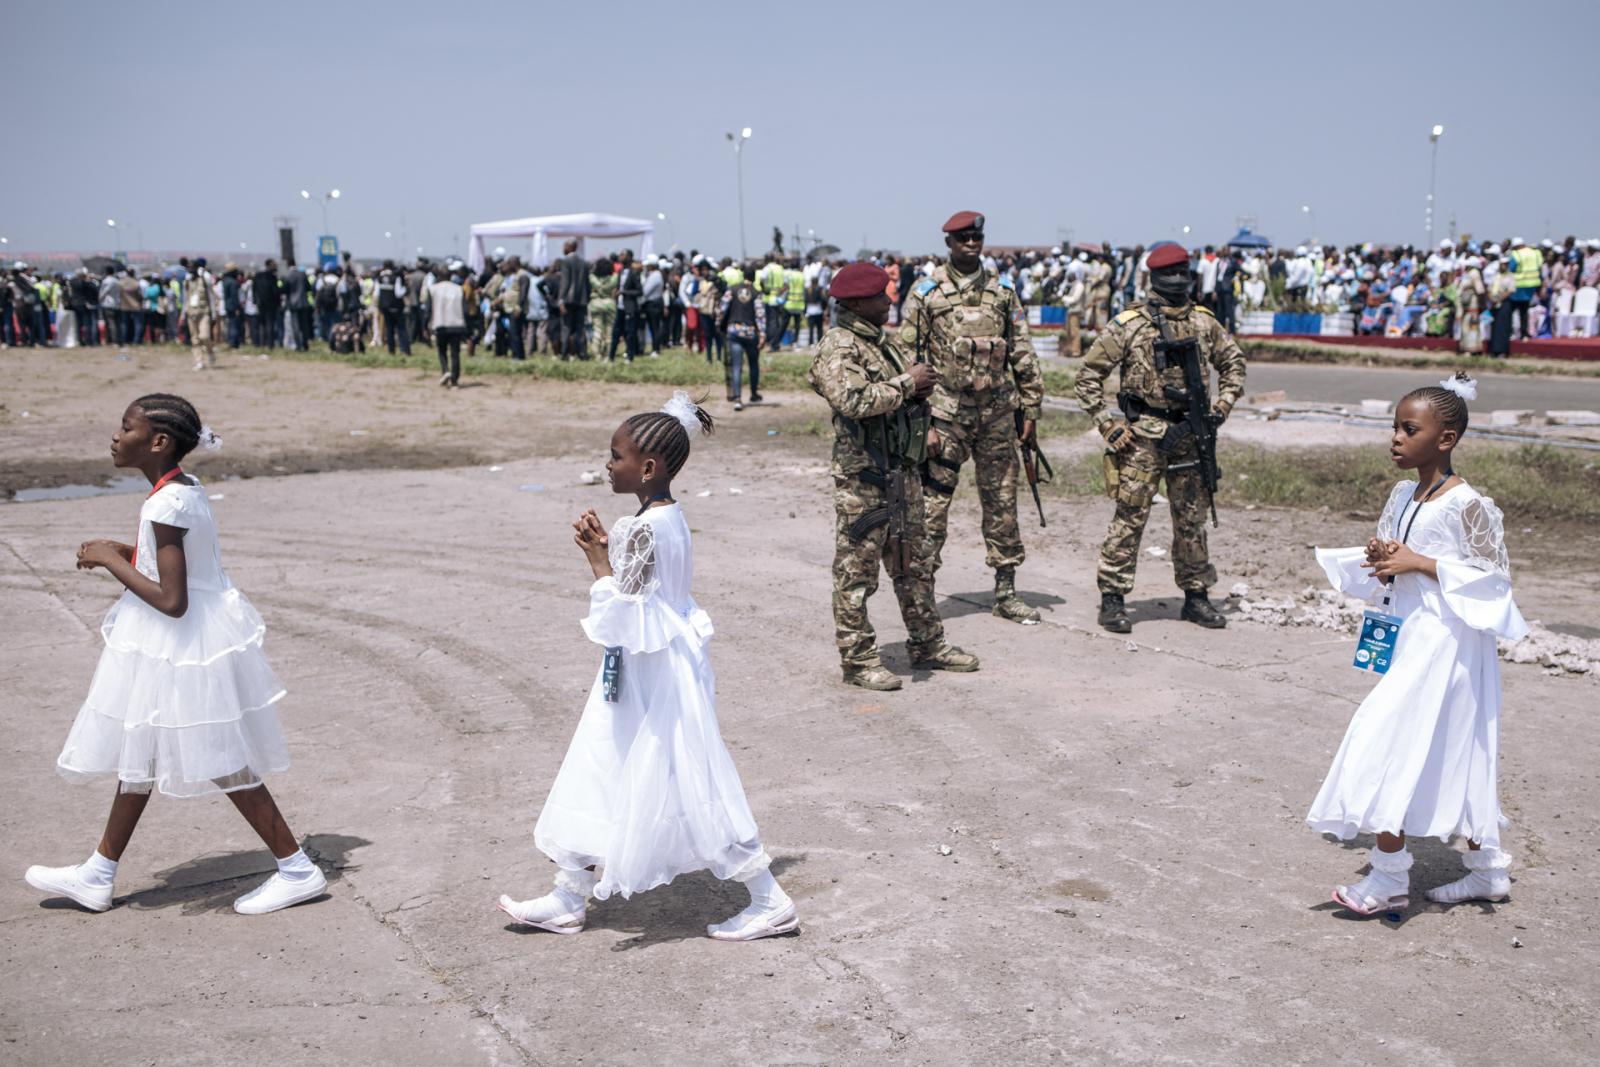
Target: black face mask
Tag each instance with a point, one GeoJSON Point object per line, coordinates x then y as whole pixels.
{"type": "Point", "coordinates": [1172, 286]}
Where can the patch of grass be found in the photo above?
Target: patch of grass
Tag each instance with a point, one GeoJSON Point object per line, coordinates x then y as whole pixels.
{"type": "Point", "coordinates": [1530, 482]}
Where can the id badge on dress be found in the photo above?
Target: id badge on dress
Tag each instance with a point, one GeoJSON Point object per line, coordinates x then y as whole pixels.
{"type": "Point", "coordinates": [611, 674]}
{"type": "Point", "coordinates": [1376, 647]}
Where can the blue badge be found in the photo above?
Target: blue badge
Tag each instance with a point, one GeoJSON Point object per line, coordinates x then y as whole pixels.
{"type": "Point", "coordinates": [611, 674]}
{"type": "Point", "coordinates": [1376, 647]}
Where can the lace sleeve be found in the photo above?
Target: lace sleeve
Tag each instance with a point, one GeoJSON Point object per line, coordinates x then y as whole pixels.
{"type": "Point", "coordinates": [1483, 539]}
{"type": "Point", "coordinates": [633, 558]}
{"type": "Point", "coordinates": [1389, 521]}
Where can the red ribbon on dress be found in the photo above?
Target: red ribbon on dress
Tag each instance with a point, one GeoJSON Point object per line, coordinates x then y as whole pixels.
{"type": "Point", "coordinates": [175, 472]}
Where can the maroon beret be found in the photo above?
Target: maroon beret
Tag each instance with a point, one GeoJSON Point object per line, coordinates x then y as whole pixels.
{"type": "Point", "coordinates": [964, 220]}
{"type": "Point", "coordinates": [858, 280]}
{"type": "Point", "coordinates": [1171, 254]}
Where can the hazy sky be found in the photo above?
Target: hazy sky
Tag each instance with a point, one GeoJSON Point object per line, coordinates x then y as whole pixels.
{"type": "Point", "coordinates": [196, 124]}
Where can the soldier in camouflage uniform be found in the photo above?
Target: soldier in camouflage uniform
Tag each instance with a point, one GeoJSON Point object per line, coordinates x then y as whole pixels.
{"type": "Point", "coordinates": [1135, 462]}
{"type": "Point", "coordinates": [877, 395]}
{"type": "Point", "coordinates": [973, 327]}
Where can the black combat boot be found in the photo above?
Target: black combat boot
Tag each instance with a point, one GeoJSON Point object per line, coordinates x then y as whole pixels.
{"type": "Point", "coordinates": [1113, 615]}
{"type": "Point", "coordinates": [1198, 610]}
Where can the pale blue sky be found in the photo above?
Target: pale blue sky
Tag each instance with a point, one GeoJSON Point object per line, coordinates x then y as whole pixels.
{"type": "Point", "coordinates": [197, 123]}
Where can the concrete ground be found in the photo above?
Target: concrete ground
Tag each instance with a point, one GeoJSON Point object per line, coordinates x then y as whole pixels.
{"type": "Point", "coordinates": [1128, 877]}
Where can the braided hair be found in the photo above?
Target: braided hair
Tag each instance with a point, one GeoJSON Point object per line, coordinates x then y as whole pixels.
{"type": "Point", "coordinates": [658, 433]}
{"type": "Point", "coordinates": [175, 417]}
{"type": "Point", "coordinates": [1450, 407]}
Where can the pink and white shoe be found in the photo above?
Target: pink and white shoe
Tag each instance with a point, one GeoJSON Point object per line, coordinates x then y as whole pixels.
{"type": "Point", "coordinates": [1386, 888]}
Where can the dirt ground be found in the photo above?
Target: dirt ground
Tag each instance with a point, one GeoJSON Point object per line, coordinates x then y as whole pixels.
{"type": "Point", "coordinates": [1128, 877]}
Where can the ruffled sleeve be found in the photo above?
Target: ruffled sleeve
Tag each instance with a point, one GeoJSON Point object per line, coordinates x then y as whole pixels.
{"type": "Point", "coordinates": [625, 610]}
{"type": "Point", "coordinates": [1345, 573]}
{"type": "Point", "coordinates": [1476, 585]}
{"type": "Point", "coordinates": [170, 507]}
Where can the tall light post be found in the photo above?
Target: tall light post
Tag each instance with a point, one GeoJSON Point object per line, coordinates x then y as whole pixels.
{"type": "Point", "coordinates": [672, 231]}
{"type": "Point", "coordinates": [738, 163]}
{"type": "Point", "coordinates": [322, 202]}
{"type": "Point", "coordinates": [1305, 209]}
{"type": "Point", "coordinates": [1433, 168]}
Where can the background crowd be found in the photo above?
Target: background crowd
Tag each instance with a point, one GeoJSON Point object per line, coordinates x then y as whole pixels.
{"type": "Point", "coordinates": [619, 306]}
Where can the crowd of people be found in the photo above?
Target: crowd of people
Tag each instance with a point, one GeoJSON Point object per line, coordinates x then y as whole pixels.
{"type": "Point", "coordinates": [618, 305]}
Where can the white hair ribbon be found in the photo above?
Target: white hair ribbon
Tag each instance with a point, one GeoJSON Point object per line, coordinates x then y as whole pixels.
{"type": "Point", "coordinates": [209, 441]}
{"type": "Point", "coordinates": [1462, 385]}
{"type": "Point", "coordinates": [685, 410]}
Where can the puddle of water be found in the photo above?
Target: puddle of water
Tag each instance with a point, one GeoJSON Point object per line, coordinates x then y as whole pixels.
{"type": "Point", "coordinates": [128, 483]}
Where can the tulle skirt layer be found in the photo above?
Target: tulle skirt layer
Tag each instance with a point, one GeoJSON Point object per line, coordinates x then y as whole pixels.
{"type": "Point", "coordinates": [648, 790]}
{"type": "Point", "coordinates": [185, 705]}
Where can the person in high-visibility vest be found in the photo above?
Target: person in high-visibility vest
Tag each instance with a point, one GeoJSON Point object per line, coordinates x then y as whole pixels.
{"type": "Point", "coordinates": [794, 300]}
{"type": "Point", "coordinates": [772, 282]}
{"type": "Point", "coordinates": [1527, 269]}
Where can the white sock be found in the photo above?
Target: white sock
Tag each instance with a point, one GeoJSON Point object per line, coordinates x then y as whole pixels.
{"type": "Point", "coordinates": [297, 866]}
{"type": "Point", "coordinates": [765, 892]}
{"type": "Point", "coordinates": [97, 870]}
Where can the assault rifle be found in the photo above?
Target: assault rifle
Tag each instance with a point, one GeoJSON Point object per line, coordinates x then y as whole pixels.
{"type": "Point", "coordinates": [1198, 421]}
{"type": "Point", "coordinates": [1032, 460]}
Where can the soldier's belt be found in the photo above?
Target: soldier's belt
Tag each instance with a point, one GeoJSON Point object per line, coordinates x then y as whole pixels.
{"type": "Point", "coordinates": [1134, 406]}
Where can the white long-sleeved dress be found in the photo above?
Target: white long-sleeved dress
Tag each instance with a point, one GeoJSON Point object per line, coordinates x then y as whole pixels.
{"type": "Point", "coordinates": [647, 790]}
{"type": "Point", "coordinates": [1420, 754]}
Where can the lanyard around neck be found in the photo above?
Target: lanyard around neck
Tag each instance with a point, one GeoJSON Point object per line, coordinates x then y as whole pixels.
{"type": "Point", "coordinates": [655, 498]}
{"type": "Point", "coordinates": [1445, 477]}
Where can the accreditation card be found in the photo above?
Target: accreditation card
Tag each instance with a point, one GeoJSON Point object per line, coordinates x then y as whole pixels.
{"type": "Point", "coordinates": [611, 674]}
{"type": "Point", "coordinates": [1376, 647]}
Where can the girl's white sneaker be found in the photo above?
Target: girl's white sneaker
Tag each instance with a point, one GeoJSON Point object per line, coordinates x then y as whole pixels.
{"type": "Point", "coordinates": [757, 922]}
{"type": "Point", "coordinates": [278, 892]}
{"type": "Point", "coordinates": [1486, 879]}
{"type": "Point", "coordinates": [1384, 889]}
{"type": "Point", "coordinates": [69, 882]}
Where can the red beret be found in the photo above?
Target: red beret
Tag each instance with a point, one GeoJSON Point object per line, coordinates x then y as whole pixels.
{"type": "Point", "coordinates": [1170, 254]}
{"type": "Point", "coordinates": [964, 220]}
{"type": "Point", "coordinates": [858, 280]}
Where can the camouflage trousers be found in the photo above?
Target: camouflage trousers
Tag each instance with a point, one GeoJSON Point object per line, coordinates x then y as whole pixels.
{"type": "Point", "coordinates": [1131, 480]}
{"type": "Point", "coordinates": [988, 436]}
{"type": "Point", "coordinates": [855, 574]}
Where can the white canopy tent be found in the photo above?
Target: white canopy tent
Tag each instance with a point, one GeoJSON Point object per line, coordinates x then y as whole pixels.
{"type": "Point", "coordinates": [543, 227]}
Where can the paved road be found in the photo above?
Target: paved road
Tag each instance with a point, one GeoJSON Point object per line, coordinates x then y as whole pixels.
{"type": "Point", "coordinates": [1342, 384]}
{"type": "Point", "coordinates": [1128, 879]}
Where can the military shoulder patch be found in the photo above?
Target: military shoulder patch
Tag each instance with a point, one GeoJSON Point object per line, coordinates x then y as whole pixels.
{"type": "Point", "coordinates": [1205, 311]}
{"type": "Point", "coordinates": [924, 287]}
{"type": "Point", "coordinates": [1127, 316]}
{"type": "Point", "coordinates": [1006, 282]}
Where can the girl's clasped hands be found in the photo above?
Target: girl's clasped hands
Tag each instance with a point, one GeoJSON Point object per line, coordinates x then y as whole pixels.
{"type": "Point", "coordinates": [1390, 558]}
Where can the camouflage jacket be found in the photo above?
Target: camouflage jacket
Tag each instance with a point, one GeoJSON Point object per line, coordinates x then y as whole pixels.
{"type": "Point", "coordinates": [1127, 345]}
{"type": "Point", "coordinates": [977, 338]}
{"type": "Point", "coordinates": [861, 373]}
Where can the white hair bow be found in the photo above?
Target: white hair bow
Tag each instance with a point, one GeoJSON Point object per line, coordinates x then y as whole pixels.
{"type": "Point", "coordinates": [685, 410]}
{"type": "Point", "coordinates": [1462, 385]}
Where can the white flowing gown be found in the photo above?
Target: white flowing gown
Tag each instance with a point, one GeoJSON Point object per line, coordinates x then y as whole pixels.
{"type": "Point", "coordinates": [184, 705]}
{"type": "Point", "coordinates": [1421, 751]}
{"type": "Point", "coordinates": [647, 790]}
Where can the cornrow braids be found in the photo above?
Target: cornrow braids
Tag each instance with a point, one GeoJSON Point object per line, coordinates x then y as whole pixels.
{"type": "Point", "coordinates": [658, 433]}
{"type": "Point", "coordinates": [176, 417]}
{"type": "Point", "coordinates": [1448, 406]}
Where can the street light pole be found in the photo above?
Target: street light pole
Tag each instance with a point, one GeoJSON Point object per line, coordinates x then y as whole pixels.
{"type": "Point", "coordinates": [322, 202]}
{"type": "Point", "coordinates": [738, 163]}
{"type": "Point", "coordinates": [1433, 169]}
{"type": "Point", "coordinates": [1307, 209]}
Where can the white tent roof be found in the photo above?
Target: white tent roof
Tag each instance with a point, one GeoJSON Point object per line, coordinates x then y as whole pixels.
{"type": "Point", "coordinates": [540, 228]}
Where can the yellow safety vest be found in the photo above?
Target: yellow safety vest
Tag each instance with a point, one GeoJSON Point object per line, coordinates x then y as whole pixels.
{"type": "Point", "coordinates": [773, 282]}
{"type": "Point", "coordinates": [1529, 262]}
{"type": "Point", "coordinates": [795, 300]}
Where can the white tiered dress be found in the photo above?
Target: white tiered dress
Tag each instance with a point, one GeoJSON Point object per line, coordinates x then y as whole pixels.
{"type": "Point", "coordinates": [1421, 751]}
{"type": "Point", "coordinates": [181, 704]}
{"type": "Point", "coordinates": [647, 790]}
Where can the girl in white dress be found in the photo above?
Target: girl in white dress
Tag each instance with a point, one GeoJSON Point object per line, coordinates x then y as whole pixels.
{"type": "Point", "coordinates": [1420, 754]}
{"type": "Point", "coordinates": [647, 790]}
{"type": "Point", "coordinates": [183, 699]}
